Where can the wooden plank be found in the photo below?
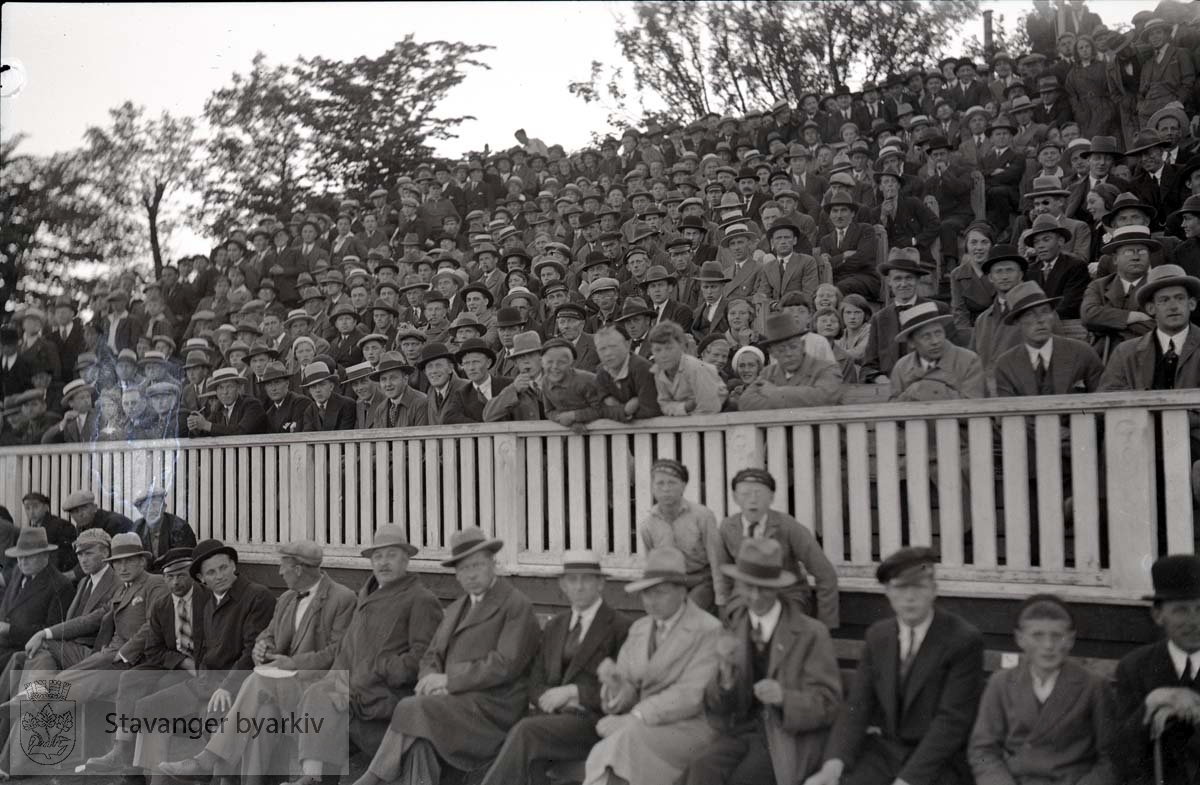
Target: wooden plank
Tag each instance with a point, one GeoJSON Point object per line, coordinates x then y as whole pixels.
{"type": "Point", "coordinates": [689, 456]}
{"type": "Point", "coordinates": [383, 491]}
{"type": "Point", "coordinates": [205, 506]}
{"type": "Point", "coordinates": [742, 450]}
{"type": "Point", "coordinates": [433, 497]}
{"type": "Point", "coordinates": [1085, 491]}
{"type": "Point", "coordinates": [335, 497]}
{"type": "Point", "coordinates": [321, 502]}
{"type": "Point", "coordinates": [468, 487]}
{"type": "Point", "coordinates": [950, 491]}
{"type": "Point", "coordinates": [450, 490]}
{"type": "Point", "coordinates": [831, 493]}
{"type": "Point", "coordinates": [258, 505]}
{"type": "Point", "coordinates": [233, 492]}
{"type": "Point", "coordinates": [624, 542]}
{"type": "Point", "coordinates": [600, 493]}
{"type": "Point", "coordinates": [1177, 481]}
{"type": "Point", "coordinates": [344, 524]}
{"type": "Point", "coordinates": [858, 479]}
{"type": "Point", "coordinates": [505, 453]}
{"type": "Point", "coordinates": [887, 484]}
{"type": "Point", "coordinates": [804, 475]}
{"type": "Point", "coordinates": [1013, 436]}
{"type": "Point", "coordinates": [714, 478]}
{"type": "Point", "coordinates": [664, 443]}
{"type": "Point", "coordinates": [642, 460]}
{"type": "Point", "coordinates": [983, 491]}
{"type": "Point", "coordinates": [535, 521]}
{"type": "Point", "coordinates": [1048, 445]}
{"type": "Point", "coordinates": [916, 471]}
{"type": "Point", "coordinates": [777, 462]}
{"type": "Point", "coordinates": [358, 530]}
{"type": "Point", "coordinates": [577, 489]}
{"type": "Point", "coordinates": [400, 485]}
{"type": "Point", "coordinates": [556, 476]}
{"type": "Point", "coordinates": [275, 492]}
{"type": "Point", "coordinates": [485, 468]}
{"type": "Point", "coordinates": [416, 496]}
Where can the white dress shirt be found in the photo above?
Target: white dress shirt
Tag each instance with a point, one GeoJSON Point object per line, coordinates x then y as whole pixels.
{"type": "Point", "coordinates": [585, 617]}
{"type": "Point", "coordinates": [1178, 340]}
{"type": "Point", "coordinates": [767, 622]}
{"type": "Point", "coordinates": [1045, 351]}
{"type": "Point", "coordinates": [1179, 659]}
{"type": "Point", "coordinates": [1043, 689]}
{"type": "Point", "coordinates": [917, 636]}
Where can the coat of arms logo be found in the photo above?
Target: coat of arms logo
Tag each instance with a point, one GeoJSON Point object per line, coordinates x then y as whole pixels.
{"type": "Point", "coordinates": [47, 722]}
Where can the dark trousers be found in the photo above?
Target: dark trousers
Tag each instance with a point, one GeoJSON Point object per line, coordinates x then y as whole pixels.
{"type": "Point", "coordinates": [546, 737]}
{"type": "Point", "coordinates": [733, 760]}
{"type": "Point", "coordinates": [881, 761]}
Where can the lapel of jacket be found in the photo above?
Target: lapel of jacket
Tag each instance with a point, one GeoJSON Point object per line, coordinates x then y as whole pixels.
{"type": "Point", "coordinates": [1066, 694]}
{"type": "Point", "coordinates": [739, 276]}
{"type": "Point", "coordinates": [888, 671]}
{"type": "Point", "coordinates": [596, 634]}
{"type": "Point", "coordinates": [782, 642]}
{"type": "Point", "coordinates": [853, 233]}
{"type": "Point", "coordinates": [313, 611]}
{"type": "Point", "coordinates": [1144, 357]}
{"type": "Point", "coordinates": [492, 600]}
{"type": "Point", "coordinates": [75, 610]}
{"type": "Point", "coordinates": [553, 645]}
{"type": "Point", "coordinates": [927, 658]}
{"type": "Point", "coordinates": [287, 614]}
{"type": "Point", "coordinates": [1062, 367]}
{"type": "Point", "coordinates": [1189, 346]}
{"type": "Point", "coordinates": [124, 595]}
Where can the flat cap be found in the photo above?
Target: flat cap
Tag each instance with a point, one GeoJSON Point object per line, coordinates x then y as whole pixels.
{"type": "Point", "coordinates": [93, 536]}
{"type": "Point", "coordinates": [907, 565]}
{"type": "Point", "coordinates": [753, 475]}
{"type": "Point", "coordinates": [303, 551]}
{"type": "Point", "coordinates": [77, 499]}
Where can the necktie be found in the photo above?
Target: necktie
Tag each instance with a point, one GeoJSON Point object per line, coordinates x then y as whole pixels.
{"type": "Point", "coordinates": [300, 595]}
{"type": "Point", "coordinates": [1003, 309]}
{"type": "Point", "coordinates": [756, 636]}
{"type": "Point", "coordinates": [87, 593]}
{"type": "Point", "coordinates": [654, 633]}
{"type": "Point", "coordinates": [1046, 268]}
{"type": "Point", "coordinates": [574, 638]}
{"type": "Point", "coordinates": [393, 415]}
{"type": "Point", "coordinates": [1171, 361]}
{"type": "Point", "coordinates": [1043, 381]}
{"type": "Point", "coordinates": [183, 626]}
{"type": "Point", "coordinates": [1188, 675]}
{"type": "Point", "coordinates": [906, 660]}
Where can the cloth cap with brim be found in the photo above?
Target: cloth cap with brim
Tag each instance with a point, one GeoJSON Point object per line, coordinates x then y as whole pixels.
{"type": "Point", "coordinates": [93, 536]}
{"type": "Point", "coordinates": [760, 563]}
{"type": "Point", "coordinates": [1023, 296]}
{"type": "Point", "coordinates": [126, 545]}
{"type": "Point", "coordinates": [174, 560]}
{"type": "Point", "coordinates": [149, 493]}
{"type": "Point", "coordinates": [529, 342]}
{"type": "Point", "coordinates": [905, 260]}
{"type": "Point", "coordinates": [78, 499]}
{"type": "Point", "coordinates": [470, 541]}
{"type": "Point", "coordinates": [1164, 276]}
{"type": "Point", "coordinates": [208, 549]}
{"type": "Point", "coordinates": [1175, 577]}
{"type": "Point", "coordinates": [918, 316]}
{"type": "Point", "coordinates": [658, 273]}
{"type": "Point", "coordinates": [581, 562]}
{"type": "Point", "coordinates": [304, 551]}
{"type": "Point", "coordinates": [1130, 235]}
{"type": "Point", "coordinates": [30, 542]}
{"type": "Point", "coordinates": [36, 496]}
{"type": "Point", "coordinates": [392, 361]}
{"type": "Point", "coordinates": [663, 565]}
{"type": "Point", "coordinates": [390, 535]}
{"type": "Point", "coordinates": [907, 565]}
{"type": "Point", "coordinates": [634, 307]}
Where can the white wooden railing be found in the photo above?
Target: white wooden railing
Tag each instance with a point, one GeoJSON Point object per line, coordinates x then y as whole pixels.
{"type": "Point", "coordinates": [867, 479]}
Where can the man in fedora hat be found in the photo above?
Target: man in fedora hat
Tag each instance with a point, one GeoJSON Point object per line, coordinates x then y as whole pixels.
{"type": "Point", "coordinates": [570, 319]}
{"type": "Point", "coordinates": [1157, 687]}
{"type": "Point", "coordinates": [308, 624]}
{"type": "Point", "coordinates": [564, 684]}
{"type": "Point", "coordinates": [1043, 364]}
{"type": "Point", "coordinates": [1060, 274]}
{"type": "Point", "coordinates": [795, 377]}
{"type": "Point", "coordinates": [521, 400]}
{"type": "Point", "coordinates": [285, 409]}
{"type": "Point", "coordinates": [240, 609]}
{"type": "Point", "coordinates": [402, 406]}
{"type": "Point", "coordinates": [330, 410]}
{"type": "Point", "coordinates": [78, 423]}
{"type": "Point", "coordinates": [652, 695]}
{"type": "Point", "coordinates": [59, 533]}
{"type": "Point", "coordinates": [1048, 197]}
{"type": "Point", "coordinates": [709, 314]}
{"type": "Point", "coordinates": [159, 530]}
{"type": "Point", "coordinates": [1110, 309]}
{"type": "Point", "coordinates": [236, 414]}
{"type": "Point", "coordinates": [636, 319]}
{"type": "Point", "coordinates": [172, 640]}
{"type": "Point", "coordinates": [1155, 181]}
{"type": "Point", "coordinates": [785, 270]}
{"type": "Point", "coordinates": [376, 661]}
{"type": "Point", "coordinates": [849, 247]}
{"type": "Point", "coordinates": [934, 368]}
{"type": "Point", "coordinates": [1167, 76]}
{"type": "Point", "coordinates": [1165, 358]}
{"type": "Point", "coordinates": [949, 182]}
{"type": "Point", "coordinates": [570, 397]}
{"type": "Point", "coordinates": [37, 595]}
{"type": "Point", "coordinates": [659, 287]}
{"type": "Point", "coordinates": [742, 269]}
{"type": "Point", "coordinates": [1003, 268]}
{"type": "Point", "coordinates": [477, 359]}
{"type": "Point", "coordinates": [1101, 157]}
{"type": "Point", "coordinates": [901, 272]}
{"type": "Point", "coordinates": [918, 682]}
{"type": "Point", "coordinates": [777, 687]}
{"type": "Point", "coordinates": [907, 221]}
{"type": "Point", "coordinates": [474, 677]}
{"type": "Point", "coordinates": [1003, 168]}
{"type": "Point", "coordinates": [437, 363]}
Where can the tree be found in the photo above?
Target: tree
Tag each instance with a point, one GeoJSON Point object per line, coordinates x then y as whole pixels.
{"type": "Point", "coordinates": [716, 56]}
{"type": "Point", "coordinates": [372, 118]}
{"type": "Point", "coordinates": [54, 223]}
{"type": "Point", "coordinates": [137, 163]}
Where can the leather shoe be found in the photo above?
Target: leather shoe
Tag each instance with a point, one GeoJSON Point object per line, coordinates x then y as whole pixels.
{"type": "Point", "coordinates": [188, 767]}
{"type": "Point", "coordinates": [118, 759]}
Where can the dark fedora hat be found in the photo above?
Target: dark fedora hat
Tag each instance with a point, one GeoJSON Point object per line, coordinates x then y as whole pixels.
{"type": "Point", "coordinates": [1004, 253]}
{"type": "Point", "coordinates": [392, 361]}
{"type": "Point", "coordinates": [658, 273]}
{"type": "Point", "coordinates": [1128, 201]}
{"type": "Point", "coordinates": [509, 317]}
{"type": "Point", "coordinates": [712, 272]}
{"type": "Point", "coordinates": [1104, 144]}
{"type": "Point", "coordinates": [1175, 577]}
{"type": "Point", "coordinates": [206, 550]}
{"type": "Point", "coordinates": [780, 327]}
{"type": "Point", "coordinates": [1147, 139]}
{"type": "Point", "coordinates": [1167, 275]}
{"type": "Point", "coordinates": [433, 351]}
{"type": "Point", "coordinates": [475, 346]}
{"type": "Point", "coordinates": [1023, 296]}
{"type": "Point", "coordinates": [468, 541]}
{"type": "Point", "coordinates": [634, 306]}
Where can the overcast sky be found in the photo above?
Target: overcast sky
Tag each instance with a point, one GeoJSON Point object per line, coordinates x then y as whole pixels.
{"type": "Point", "coordinates": [82, 59]}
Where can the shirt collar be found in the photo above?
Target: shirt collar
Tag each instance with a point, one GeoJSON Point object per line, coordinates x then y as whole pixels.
{"type": "Point", "coordinates": [1046, 351]}
{"type": "Point", "coordinates": [624, 372]}
{"type": "Point", "coordinates": [1179, 339]}
{"type": "Point", "coordinates": [588, 614]}
{"type": "Point", "coordinates": [919, 632]}
{"type": "Point", "coordinates": [1179, 659]}
{"type": "Point", "coordinates": [486, 387]}
{"type": "Point", "coordinates": [187, 598]}
{"type": "Point", "coordinates": [96, 577]}
{"type": "Point", "coordinates": [669, 624]}
{"type": "Point", "coordinates": [767, 622]}
{"type": "Point", "coordinates": [1127, 285]}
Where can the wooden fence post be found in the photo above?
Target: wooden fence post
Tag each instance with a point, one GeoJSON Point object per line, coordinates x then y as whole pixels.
{"type": "Point", "coordinates": [509, 465]}
{"type": "Point", "coordinates": [1132, 500]}
{"type": "Point", "coordinates": [300, 524]}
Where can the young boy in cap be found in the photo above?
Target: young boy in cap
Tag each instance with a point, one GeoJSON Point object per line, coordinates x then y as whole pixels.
{"type": "Point", "coordinates": [1048, 719]}
{"type": "Point", "coordinates": [652, 696]}
{"type": "Point", "coordinates": [918, 683]}
{"type": "Point", "coordinates": [753, 492]}
{"type": "Point", "coordinates": [1158, 689]}
{"type": "Point", "coordinates": [564, 684]}
{"type": "Point", "coordinates": [675, 522]}
{"type": "Point", "coordinates": [685, 384]}
{"type": "Point", "coordinates": [777, 687]}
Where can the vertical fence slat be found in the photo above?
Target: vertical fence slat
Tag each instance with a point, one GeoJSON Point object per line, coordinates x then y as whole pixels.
{"type": "Point", "coordinates": [916, 471]}
{"type": "Point", "coordinates": [450, 492]}
{"type": "Point", "coordinates": [1177, 481]}
{"type": "Point", "coordinates": [1132, 513]}
{"type": "Point", "coordinates": [600, 471]}
{"type": "Point", "coordinates": [831, 492]}
{"type": "Point", "coordinates": [257, 508]}
{"type": "Point", "coordinates": [401, 489]}
{"type": "Point", "coordinates": [433, 498]}
{"type": "Point", "coordinates": [1048, 444]}
{"type": "Point", "coordinates": [950, 491]}
{"type": "Point", "coordinates": [556, 477]}
{"type": "Point", "coordinates": [416, 496]}
{"type": "Point", "coordinates": [485, 471]}
{"type": "Point", "coordinates": [983, 491]}
{"type": "Point", "coordinates": [804, 475]}
{"type": "Point", "coordinates": [274, 491]}
{"type": "Point", "coordinates": [624, 541]}
{"type": "Point", "coordinates": [578, 479]}
{"type": "Point", "coordinates": [469, 485]}
{"type": "Point", "coordinates": [858, 481]}
{"type": "Point", "coordinates": [642, 459]}
{"type": "Point", "coordinates": [714, 473]}
{"type": "Point", "coordinates": [345, 524]}
{"type": "Point", "coordinates": [358, 530]}
{"type": "Point", "coordinates": [321, 501]}
{"type": "Point", "coordinates": [887, 482]}
{"type": "Point", "coordinates": [384, 491]}
{"type": "Point", "coordinates": [506, 454]}
{"type": "Point", "coordinates": [1085, 491]}
{"type": "Point", "coordinates": [1013, 438]}
{"type": "Point", "coordinates": [689, 456]}
{"type": "Point", "coordinates": [535, 499]}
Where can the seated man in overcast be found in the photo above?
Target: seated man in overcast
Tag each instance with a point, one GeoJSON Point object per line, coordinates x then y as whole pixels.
{"type": "Point", "coordinates": [934, 368]}
{"type": "Point", "coordinates": [402, 405]}
{"type": "Point", "coordinates": [795, 378]}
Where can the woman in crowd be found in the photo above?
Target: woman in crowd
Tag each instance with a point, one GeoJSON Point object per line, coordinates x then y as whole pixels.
{"type": "Point", "coordinates": [970, 292]}
{"type": "Point", "coordinates": [1098, 203]}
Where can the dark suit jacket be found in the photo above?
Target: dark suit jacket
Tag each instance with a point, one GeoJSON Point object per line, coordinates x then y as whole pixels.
{"type": "Point", "coordinates": [1056, 115]}
{"type": "Point", "coordinates": [231, 628]}
{"type": "Point", "coordinates": [603, 640]}
{"type": "Point", "coordinates": [586, 358]}
{"type": "Point", "coordinates": [127, 331]}
{"type": "Point", "coordinates": [933, 715]}
{"type": "Point", "coordinates": [178, 534]}
{"type": "Point", "coordinates": [434, 414]}
{"type": "Point", "coordinates": [1012, 164]}
{"type": "Point", "coordinates": [702, 325]}
{"type": "Point", "coordinates": [1068, 279]}
{"type": "Point", "coordinates": [42, 603]}
{"type": "Point", "coordinates": [83, 618]}
{"type": "Point", "coordinates": [953, 191]}
{"type": "Point", "coordinates": [1138, 674]}
{"type": "Point", "coordinates": [69, 348]}
{"type": "Point", "coordinates": [16, 379]}
{"type": "Point", "coordinates": [975, 94]}
{"type": "Point", "coordinates": [340, 413]}
{"type": "Point", "coordinates": [638, 383]}
{"type": "Point", "coordinates": [290, 411]}
{"type": "Point", "coordinates": [161, 649]}
{"type": "Point", "coordinates": [913, 225]}
{"type": "Point", "coordinates": [1074, 368]}
{"type": "Point", "coordinates": [248, 418]}
{"type": "Point", "coordinates": [466, 404]}
{"type": "Point", "coordinates": [1131, 364]}
{"type": "Point", "coordinates": [112, 522]}
{"type": "Point", "coordinates": [1163, 194]}
{"type": "Point", "coordinates": [676, 312]}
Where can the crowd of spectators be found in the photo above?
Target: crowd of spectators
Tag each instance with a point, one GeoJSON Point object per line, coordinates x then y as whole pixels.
{"type": "Point", "coordinates": [1024, 226]}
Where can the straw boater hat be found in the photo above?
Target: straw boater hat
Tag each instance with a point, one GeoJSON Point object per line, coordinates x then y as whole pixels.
{"type": "Point", "coordinates": [663, 565]}
{"type": "Point", "coordinates": [581, 562]}
{"type": "Point", "coordinates": [760, 563]}
{"type": "Point", "coordinates": [125, 545]}
{"type": "Point", "coordinates": [920, 315]}
{"type": "Point", "coordinates": [470, 541]}
{"type": "Point", "coordinates": [387, 535]}
{"type": "Point", "coordinates": [30, 542]}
